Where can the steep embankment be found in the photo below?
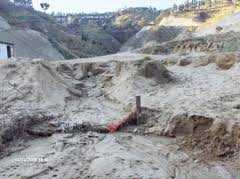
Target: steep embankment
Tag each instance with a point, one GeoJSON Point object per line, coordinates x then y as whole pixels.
{"type": "Point", "coordinates": [155, 32]}
{"type": "Point", "coordinates": [30, 44]}
{"type": "Point", "coordinates": [153, 35]}
{"type": "Point", "coordinates": [85, 39]}
{"type": "Point", "coordinates": [219, 32]}
{"type": "Point", "coordinates": [94, 35]}
{"type": "Point", "coordinates": [68, 44]}
{"type": "Point", "coordinates": [114, 32]}
{"type": "Point", "coordinates": [128, 22]}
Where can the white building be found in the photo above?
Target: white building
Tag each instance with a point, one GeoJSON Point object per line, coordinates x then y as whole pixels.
{"type": "Point", "coordinates": [6, 50]}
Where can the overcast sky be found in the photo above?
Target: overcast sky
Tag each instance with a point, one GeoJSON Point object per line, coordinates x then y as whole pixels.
{"type": "Point", "coordinates": [101, 5]}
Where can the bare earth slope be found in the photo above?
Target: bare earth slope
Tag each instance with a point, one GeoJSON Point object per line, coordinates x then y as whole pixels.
{"type": "Point", "coordinates": [60, 100]}
{"type": "Point", "coordinates": [30, 44]}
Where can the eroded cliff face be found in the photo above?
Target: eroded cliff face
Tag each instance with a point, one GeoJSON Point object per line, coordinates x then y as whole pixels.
{"type": "Point", "coordinates": [227, 42]}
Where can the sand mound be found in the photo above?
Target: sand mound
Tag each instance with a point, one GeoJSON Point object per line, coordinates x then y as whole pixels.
{"type": "Point", "coordinates": [155, 70]}
{"type": "Point", "coordinates": [212, 138]}
{"type": "Point", "coordinates": [183, 124]}
{"type": "Point", "coordinates": [222, 139]}
{"type": "Point", "coordinates": [223, 61]}
{"type": "Point", "coordinates": [30, 92]}
{"type": "Point", "coordinates": [146, 67]}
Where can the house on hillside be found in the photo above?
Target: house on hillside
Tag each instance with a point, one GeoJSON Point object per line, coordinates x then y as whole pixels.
{"type": "Point", "coordinates": [6, 50]}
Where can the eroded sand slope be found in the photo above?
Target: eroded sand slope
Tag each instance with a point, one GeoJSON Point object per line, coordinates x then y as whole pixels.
{"type": "Point", "coordinates": [186, 100]}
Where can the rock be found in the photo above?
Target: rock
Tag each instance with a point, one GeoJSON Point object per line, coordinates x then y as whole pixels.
{"type": "Point", "coordinates": [219, 28]}
{"type": "Point", "coordinates": [41, 130]}
{"type": "Point", "coordinates": [7, 135]}
{"type": "Point", "coordinates": [184, 62]}
{"type": "Point", "coordinates": [226, 61]}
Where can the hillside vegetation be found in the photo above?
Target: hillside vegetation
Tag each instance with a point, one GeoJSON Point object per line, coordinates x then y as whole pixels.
{"type": "Point", "coordinates": [76, 40]}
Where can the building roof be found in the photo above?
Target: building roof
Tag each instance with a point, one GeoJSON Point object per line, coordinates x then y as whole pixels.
{"type": "Point", "coordinates": [7, 43]}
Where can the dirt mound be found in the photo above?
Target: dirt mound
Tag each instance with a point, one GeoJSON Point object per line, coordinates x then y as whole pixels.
{"type": "Point", "coordinates": [183, 124]}
{"type": "Point", "coordinates": [222, 139]}
{"type": "Point", "coordinates": [184, 62]}
{"type": "Point", "coordinates": [223, 61]}
{"type": "Point", "coordinates": [154, 69]}
{"type": "Point", "coordinates": [202, 136]}
{"type": "Point", "coordinates": [226, 61]}
{"type": "Point", "coordinates": [145, 67]}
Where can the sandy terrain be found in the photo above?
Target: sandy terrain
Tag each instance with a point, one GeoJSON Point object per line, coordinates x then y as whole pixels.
{"type": "Point", "coordinates": [102, 90]}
